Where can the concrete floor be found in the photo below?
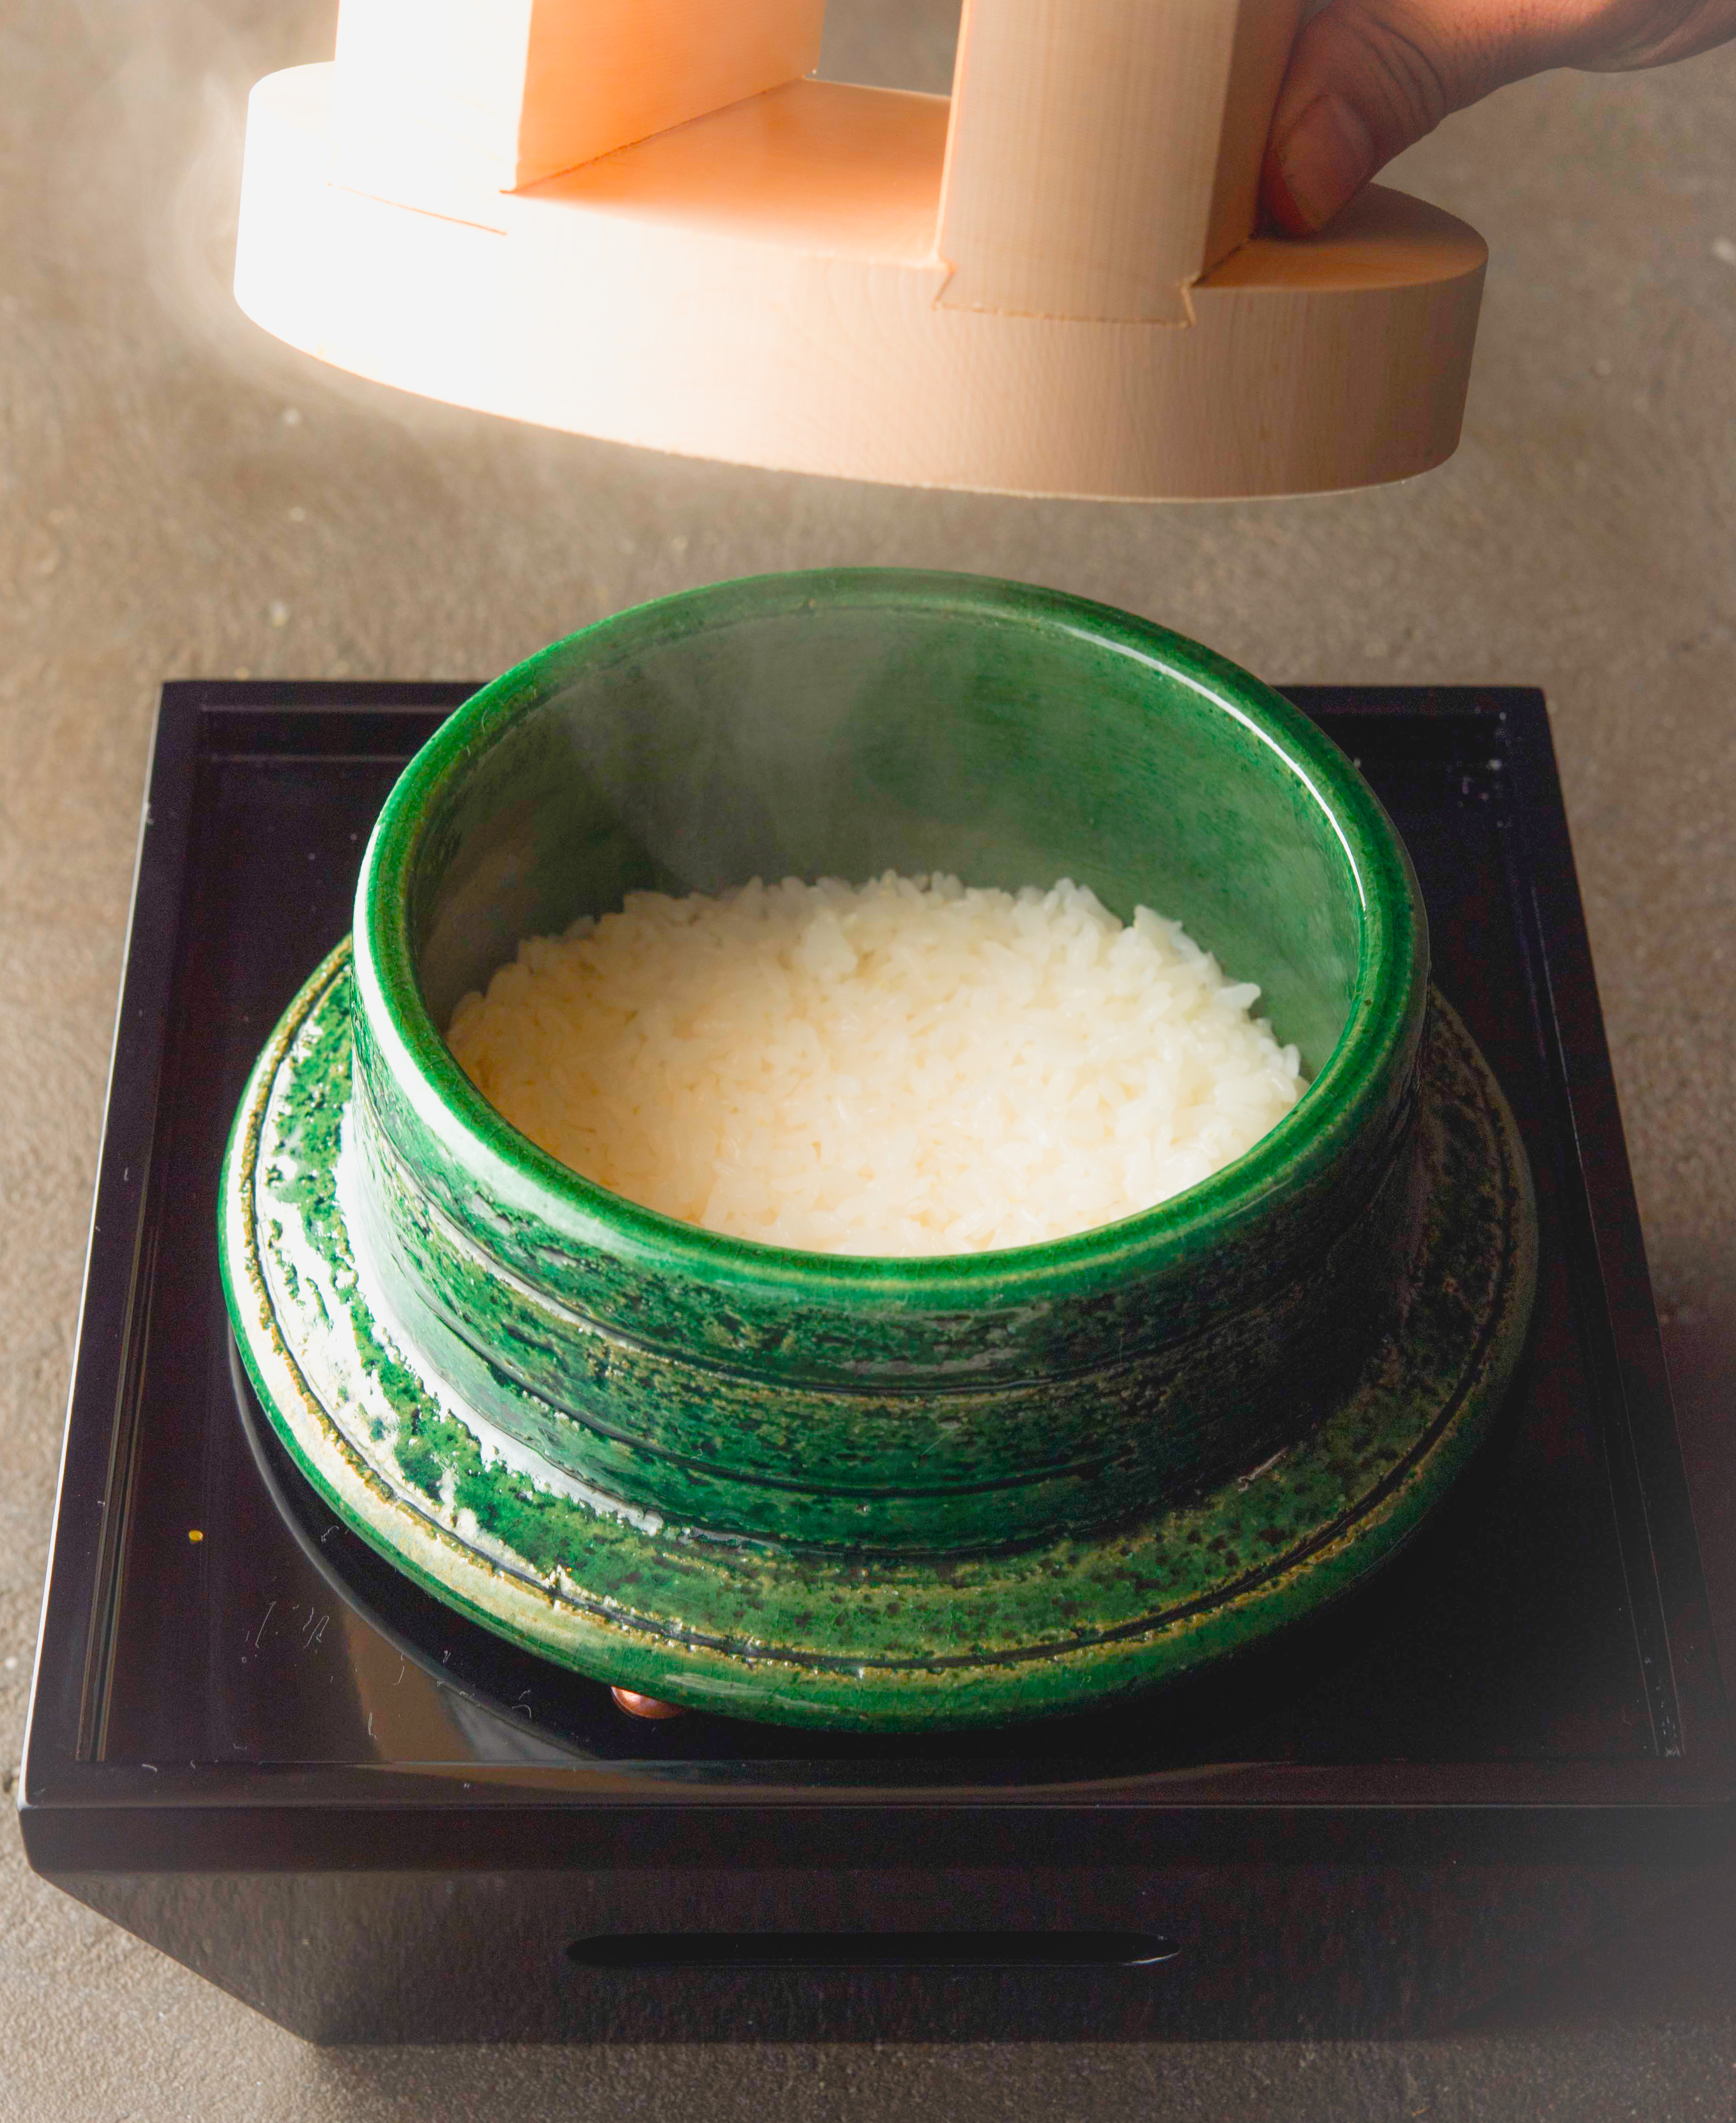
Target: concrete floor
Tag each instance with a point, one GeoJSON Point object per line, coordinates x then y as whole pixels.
{"type": "Point", "coordinates": [178, 496]}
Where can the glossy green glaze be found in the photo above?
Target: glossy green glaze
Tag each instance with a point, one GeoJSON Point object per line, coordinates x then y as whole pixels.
{"type": "Point", "coordinates": [844, 723]}
{"type": "Point", "coordinates": [860, 1492]}
{"type": "Point", "coordinates": [797, 1636]}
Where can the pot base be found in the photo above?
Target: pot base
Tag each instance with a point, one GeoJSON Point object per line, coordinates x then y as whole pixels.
{"type": "Point", "coordinates": [749, 1629]}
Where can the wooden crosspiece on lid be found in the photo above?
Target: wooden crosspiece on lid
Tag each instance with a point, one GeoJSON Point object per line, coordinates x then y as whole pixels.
{"type": "Point", "coordinates": [644, 220]}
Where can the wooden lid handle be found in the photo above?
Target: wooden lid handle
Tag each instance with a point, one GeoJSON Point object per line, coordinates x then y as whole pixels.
{"type": "Point", "coordinates": [444, 105]}
{"type": "Point", "coordinates": [1104, 153]}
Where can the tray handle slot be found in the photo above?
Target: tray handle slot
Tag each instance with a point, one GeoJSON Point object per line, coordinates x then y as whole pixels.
{"type": "Point", "coordinates": [873, 1950]}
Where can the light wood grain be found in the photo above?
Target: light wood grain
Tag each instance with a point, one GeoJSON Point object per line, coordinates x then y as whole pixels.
{"type": "Point", "coordinates": [816, 167]}
{"type": "Point", "coordinates": [1104, 153]}
{"type": "Point", "coordinates": [444, 105]}
{"type": "Point", "coordinates": [785, 312]}
{"type": "Point", "coordinates": [1265, 31]}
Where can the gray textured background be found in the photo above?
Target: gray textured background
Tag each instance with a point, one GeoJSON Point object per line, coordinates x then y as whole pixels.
{"type": "Point", "coordinates": [181, 496]}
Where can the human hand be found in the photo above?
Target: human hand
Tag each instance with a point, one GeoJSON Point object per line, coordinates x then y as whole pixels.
{"type": "Point", "coordinates": [1368, 78]}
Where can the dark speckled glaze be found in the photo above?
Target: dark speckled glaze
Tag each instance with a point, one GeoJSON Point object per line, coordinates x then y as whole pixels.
{"type": "Point", "coordinates": [541, 1361]}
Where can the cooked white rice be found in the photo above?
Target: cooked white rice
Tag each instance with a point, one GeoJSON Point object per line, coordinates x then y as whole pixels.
{"type": "Point", "coordinates": [907, 1066]}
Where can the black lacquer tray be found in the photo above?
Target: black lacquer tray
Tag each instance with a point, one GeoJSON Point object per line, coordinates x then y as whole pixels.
{"type": "Point", "coordinates": [255, 1744]}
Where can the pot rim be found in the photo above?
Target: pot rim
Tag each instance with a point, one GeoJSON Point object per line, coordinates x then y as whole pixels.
{"type": "Point", "coordinates": [1384, 1019]}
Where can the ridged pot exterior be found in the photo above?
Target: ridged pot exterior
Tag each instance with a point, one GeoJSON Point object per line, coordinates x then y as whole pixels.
{"type": "Point", "coordinates": [946, 1405]}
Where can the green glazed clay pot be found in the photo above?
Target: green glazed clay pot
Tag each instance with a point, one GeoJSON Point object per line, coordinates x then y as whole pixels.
{"type": "Point", "coordinates": [842, 724]}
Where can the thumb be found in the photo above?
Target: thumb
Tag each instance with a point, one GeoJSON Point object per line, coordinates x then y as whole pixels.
{"type": "Point", "coordinates": [1370, 78]}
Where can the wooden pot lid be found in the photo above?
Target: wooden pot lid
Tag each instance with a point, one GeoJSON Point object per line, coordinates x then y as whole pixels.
{"type": "Point", "coordinates": [639, 220]}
